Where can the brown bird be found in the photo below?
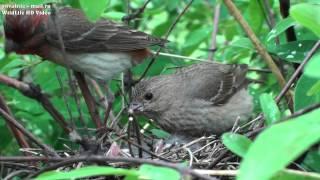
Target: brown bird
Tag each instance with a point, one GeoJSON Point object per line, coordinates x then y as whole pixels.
{"type": "Point", "coordinates": [201, 99]}
{"type": "Point", "coordinates": [100, 50]}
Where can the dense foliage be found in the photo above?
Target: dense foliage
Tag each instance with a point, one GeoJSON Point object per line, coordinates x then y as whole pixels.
{"type": "Point", "coordinates": [287, 39]}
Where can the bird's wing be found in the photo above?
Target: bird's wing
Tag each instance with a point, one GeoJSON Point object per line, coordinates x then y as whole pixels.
{"type": "Point", "coordinates": [212, 81]}
{"type": "Point", "coordinates": [79, 34]}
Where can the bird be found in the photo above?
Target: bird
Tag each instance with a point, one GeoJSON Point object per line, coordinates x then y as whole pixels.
{"type": "Point", "coordinates": [98, 49]}
{"type": "Point", "coordinates": [198, 100]}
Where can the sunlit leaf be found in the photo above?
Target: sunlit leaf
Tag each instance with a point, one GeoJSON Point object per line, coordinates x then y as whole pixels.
{"type": "Point", "coordinates": [313, 67]}
{"type": "Point", "coordinates": [294, 51]}
{"type": "Point", "coordinates": [88, 171]}
{"type": "Point", "coordinates": [262, 161]}
{"type": "Point", "coordinates": [303, 98]}
{"type": "Point", "coordinates": [270, 109]}
{"type": "Point", "coordinates": [93, 9]}
{"type": "Point", "coordinates": [280, 28]}
{"type": "Point", "coordinates": [159, 173]}
{"type": "Point", "coordinates": [308, 15]}
{"type": "Point", "coordinates": [236, 143]}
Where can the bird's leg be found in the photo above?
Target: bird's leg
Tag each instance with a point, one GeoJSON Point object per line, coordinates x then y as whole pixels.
{"type": "Point", "coordinates": [89, 99]}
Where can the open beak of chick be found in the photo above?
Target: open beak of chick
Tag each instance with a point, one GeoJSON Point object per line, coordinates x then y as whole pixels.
{"type": "Point", "coordinates": [135, 108]}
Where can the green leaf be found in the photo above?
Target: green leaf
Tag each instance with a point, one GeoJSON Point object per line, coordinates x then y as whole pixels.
{"type": "Point", "coordinates": [93, 9]}
{"type": "Point", "coordinates": [315, 89]}
{"type": "Point", "coordinates": [243, 43]}
{"type": "Point", "coordinates": [254, 15]}
{"type": "Point", "coordinates": [158, 173]}
{"type": "Point", "coordinates": [308, 15]}
{"type": "Point", "coordinates": [2, 54]}
{"type": "Point", "coordinates": [290, 139]}
{"type": "Point", "coordinates": [195, 38]}
{"type": "Point", "coordinates": [88, 171]}
{"type": "Point", "coordinates": [302, 96]}
{"type": "Point", "coordinates": [292, 51]}
{"type": "Point", "coordinates": [160, 133]}
{"type": "Point", "coordinates": [313, 67]}
{"type": "Point", "coordinates": [114, 15]}
{"type": "Point", "coordinates": [270, 109]}
{"type": "Point", "coordinates": [283, 25]}
{"type": "Point", "coordinates": [29, 2]}
{"type": "Point", "coordinates": [237, 143]}
{"type": "Point", "coordinates": [312, 160]}
{"type": "Point", "coordinates": [295, 175]}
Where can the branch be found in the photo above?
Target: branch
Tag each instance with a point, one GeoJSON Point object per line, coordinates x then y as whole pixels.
{"type": "Point", "coordinates": [166, 38]}
{"type": "Point", "coordinates": [13, 122]}
{"type": "Point", "coordinates": [106, 101]}
{"type": "Point", "coordinates": [34, 92]}
{"type": "Point", "coordinates": [216, 17]}
{"type": "Point", "coordinates": [17, 134]}
{"type": "Point", "coordinates": [88, 99]}
{"type": "Point", "coordinates": [298, 71]}
{"type": "Point", "coordinates": [102, 159]}
{"type": "Point", "coordinates": [260, 48]}
{"type": "Point", "coordinates": [136, 14]}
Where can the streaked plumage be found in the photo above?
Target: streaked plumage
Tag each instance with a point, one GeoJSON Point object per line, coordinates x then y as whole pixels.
{"type": "Point", "coordinates": [89, 46]}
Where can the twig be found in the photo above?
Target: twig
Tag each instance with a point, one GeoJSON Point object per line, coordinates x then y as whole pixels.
{"type": "Point", "coordinates": [108, 106]}
{"type": "Point", "coordinates": [17, 134]}
{"type": "Point", "coordinates": [12, 121]}
{"type": "Point", "coordinates": [77, 100]}
{"type": "Point", "coordinates": [307, 175]}
{"type": "Point", "coordinates": [145, 150]}
{"type": "Point", "coordinates": [303, 111]}
{"type": "Point", "coordinates": [217, 172]}
{"type": "Point", "coordinates": [13, 165]}
{"type": "Point", "coordinates": [260, 48]}
{"type": "Point", "coordinates": [101, 159]}
{"type": "Point", "coordinates": [180, 57]}
{"type": "Point", "coordinates": [218, 159]}
{"type": "Point", "coordinates": [166, 38]}
{"type": "Point", "coordinates": [297, 72]}
{"type": "Point", "coordinates": [34, 92]}
{"type": "Point", "coordinates": [65, 100]}
{"type": "Point", "coordinates": [105, 101]}
{"type": "Point", "coordinates": [88, 99]}
{"type": "Point", "coordinates": [134, 15]}
{"type": "Point", "coordinates": [294, 115]}
{"type": "Point", "coordinates": [204, 60]}
{"type": "Point", "coordinates": [137, 131]}
{"type": "Point", "coordinates": [216, 18]}
{"type": "Point", "coordinates": [15, 174]}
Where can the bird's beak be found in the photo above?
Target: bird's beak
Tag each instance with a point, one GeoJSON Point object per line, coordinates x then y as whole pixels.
{"type": "Point", "coordinates": [135, 107]}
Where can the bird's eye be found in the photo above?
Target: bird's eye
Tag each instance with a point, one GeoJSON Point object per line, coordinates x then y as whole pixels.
{"type": "Point", "coordinates": [148, 96]}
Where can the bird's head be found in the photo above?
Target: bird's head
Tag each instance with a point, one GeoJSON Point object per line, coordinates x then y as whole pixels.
{"type": "Point", "coordinates": [150, 97]}
{"type": "Point", "coordinates": [22, 31]}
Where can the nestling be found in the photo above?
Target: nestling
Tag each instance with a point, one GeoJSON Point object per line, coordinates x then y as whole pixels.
{"type": "Point", "coordinates": [198, 100]}
{"type": "Point", "coordinates": [99, 49]}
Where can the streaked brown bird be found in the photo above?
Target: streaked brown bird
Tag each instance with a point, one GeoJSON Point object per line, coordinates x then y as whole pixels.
{"type": "Point", "coordinates": [198, 100]}
{"type": "Point", "coordinates": [99, 49]}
